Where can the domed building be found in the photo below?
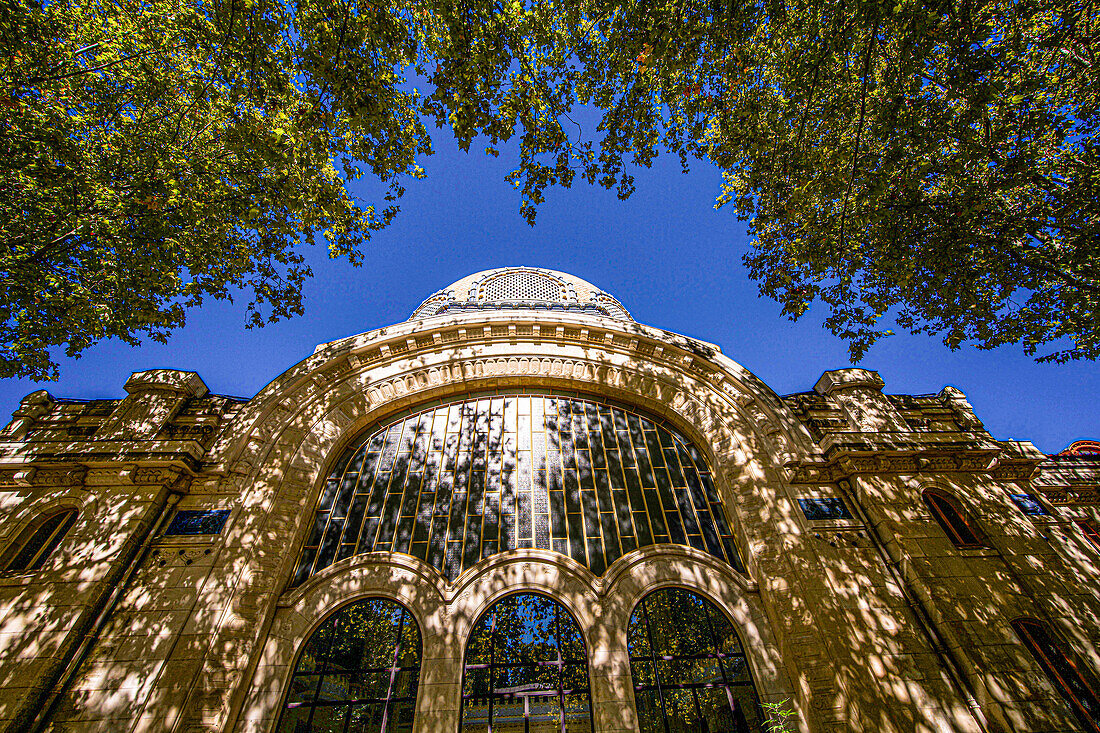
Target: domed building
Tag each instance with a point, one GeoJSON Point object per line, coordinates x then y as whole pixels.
{"type": "Point", "coordinates": [521, 510]}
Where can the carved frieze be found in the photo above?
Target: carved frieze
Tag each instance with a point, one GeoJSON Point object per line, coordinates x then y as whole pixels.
{"type": "Point", "coordinates": [842, 465]}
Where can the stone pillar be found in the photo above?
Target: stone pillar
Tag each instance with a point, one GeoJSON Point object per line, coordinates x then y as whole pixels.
{"type": "Point", "coordinates": [154, 398]}
{"type": "Point", "coordinates": [859, 394]}
{"type": "Point", "coordinates": [609, 673]}
{"type": "Point", "coordinates": [439, 693]}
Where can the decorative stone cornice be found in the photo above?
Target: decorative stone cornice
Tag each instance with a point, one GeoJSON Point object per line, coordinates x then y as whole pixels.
{"type": "Point", "coordinates": [88, 452]}
{"type": "Point", "coordinates": [847, 454]}
{"type": "Point", "coordinates": [1073, 495]}
{"type": "Point", "coordinates": [33, 476]}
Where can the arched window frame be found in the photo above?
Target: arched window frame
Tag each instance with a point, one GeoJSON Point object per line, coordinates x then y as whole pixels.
{"type": "Point", "coordinates": [563, 610]}
{"type": "Point", "coordinates": [721, 537]}
{"type": "Point", "coordinates": [44, 534]}
{"type": "Point", "coordinates": [394, 670]}
{"type": "Point", "coordinates": [1062, 669]}
{"type": "Point", "coordinates": [953, 519]}
{"type": "Point", "coordinates": [1090, 531]}
{"type": "Point", "coordinates": [716, 610]}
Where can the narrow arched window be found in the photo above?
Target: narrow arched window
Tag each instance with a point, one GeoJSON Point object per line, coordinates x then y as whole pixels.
{"type": "Point", "coordinates": [357, 672]}
{"type": "Point", "coordinates": [526, 670]}
{"type": "Point", "coordinates": [1088, 528]}
{"type": "Point", "coordinates": [959, 527]}
{"type": "Point", "coordinates": [38, 540]}
{"type": "Point", "coordinates": [1066, 674]}
{"type": "Point", "coordinates": [689, 668]}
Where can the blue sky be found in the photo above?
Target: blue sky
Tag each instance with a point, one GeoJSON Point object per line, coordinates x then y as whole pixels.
{"type": "Point", "coordinates": [666, 254]}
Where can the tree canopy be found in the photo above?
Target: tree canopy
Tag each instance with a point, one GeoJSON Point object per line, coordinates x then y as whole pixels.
{"type": "Point", "coordinates": [933, 166]}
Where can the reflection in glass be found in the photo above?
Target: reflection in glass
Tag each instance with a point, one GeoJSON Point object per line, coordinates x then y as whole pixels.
{"type": "Point", "coordinates": [457, 483]}
{"type": "Point", "coordinates": [357, 672]}
{"type": "Point", "coordinates": [526, 670]}
{"type": "Point", "coordinates": [688, 668]}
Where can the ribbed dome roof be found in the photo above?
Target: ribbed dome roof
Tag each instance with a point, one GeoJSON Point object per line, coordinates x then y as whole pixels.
{"type": "Point", "coordinates": [521, 287]}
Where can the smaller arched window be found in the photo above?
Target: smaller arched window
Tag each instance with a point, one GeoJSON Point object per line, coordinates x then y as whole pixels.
{"type": "Point", "coordinates": [958, 526]}
{"type": "Point", "coordinates": [37, 541]}
{"type": "Point", "coordinates": [359, 671]}
{"type": "Point", "coordinates": [1089, 529]}
{"type": "Point", "coordinates": [526, 670]}
{"type": "Point", "coordinates": [689, 668]}
{"type": "Point", "coordinates": [1078, 690]}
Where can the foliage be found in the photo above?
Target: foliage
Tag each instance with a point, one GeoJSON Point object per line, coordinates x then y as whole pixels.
{"type": "Point", "coordinates": [935, 165]}
{"type": "Point", "coordinates": [778, 714]}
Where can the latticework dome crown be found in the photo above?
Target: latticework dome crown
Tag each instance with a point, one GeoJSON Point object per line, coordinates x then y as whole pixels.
{"type": "Point", "coordinates": [521, 287]}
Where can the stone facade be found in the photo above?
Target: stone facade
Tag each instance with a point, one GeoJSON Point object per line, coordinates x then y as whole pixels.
{"type": "Point", "coordinates": [873, 621]}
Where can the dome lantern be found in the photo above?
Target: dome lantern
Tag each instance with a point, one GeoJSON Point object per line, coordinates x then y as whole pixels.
{"type": "Point", "coordinates": [521, 287]}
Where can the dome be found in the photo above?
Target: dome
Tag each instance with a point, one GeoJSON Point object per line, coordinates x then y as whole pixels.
{"type": "Point", "coordinates": [521, 287]}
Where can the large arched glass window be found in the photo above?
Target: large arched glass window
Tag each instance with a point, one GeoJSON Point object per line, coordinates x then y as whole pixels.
{"type": "Point", "coordinates": [689, 669]}
{"type": "Point", "coordinates": [37, 541]}
{"type": "Point", "coordinates": [958, 527]}
{"type": "Point", "coordinates": [1063, 670]}
{"type": "Point", "coordinates": [357, 672]}
{"type": "Point", "coordinates": [526, 670]}
{"type": "Point", "coordinates": [459, 482]}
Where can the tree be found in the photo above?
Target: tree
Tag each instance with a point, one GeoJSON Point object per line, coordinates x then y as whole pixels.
{"type": "Point", "coordinates": [932, 165]}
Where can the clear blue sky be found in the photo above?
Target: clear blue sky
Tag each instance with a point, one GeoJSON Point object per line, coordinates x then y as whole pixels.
{"type": "Point", "coordinates": [666, 254]}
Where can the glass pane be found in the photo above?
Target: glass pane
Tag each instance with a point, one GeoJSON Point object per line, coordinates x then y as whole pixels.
{"type": "Point", "coordinates": [315, 649]}
{"type": "Point", "coordinates": [637, 640]}
{"type": "Point", "coordinates": [715, 710]}
{"type": "Point", "coordinates": [367, 717]}
{"type": "Point", "coordinates": [680, 711]}
{"type": "Point", "coordinates": [650, 717]}
{"type": "Point", "coordinates": [508, 715]}
{"type": "Point", "coordinates": [475, 715]}
{"type": "Point", "coordinates": [524, 630]}
{"type": "Point", "coordinates": [578, 713]}
{"type": "Point", "coordinates": [329, 719]}
{"type": "Point", "coordinates": [302, 689]}
{"type": "Point", "coordinates": [544, 714]}
{"type": "Point", "coordinates": [295, 720]}
{"type": "Point", "coordinates": [42, 542]}
{"type": "Point", "coordinates": [400, 717]}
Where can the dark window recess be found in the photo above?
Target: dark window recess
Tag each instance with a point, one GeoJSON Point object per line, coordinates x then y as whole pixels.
{"type": "Point", "coordinates": [202, 521]}
{"type": "Point", "coordinates": [358, 672]}
{"type": "Point", "coordinates": [824, 508]}
{"type": "Point", "coordinates": [689, 668]}
{"type": "Point", "coordinates": [526, 670]}
{"type": "Point", "coordinates": [1088, 528]}
{"type": "Point", "coordinates": [491, 474]}
{"type": "Point", "coordinates": [1075, 685]}
{"type": "Point", "coordinates": [1029, 505]}
{"type": "Point", "coordinates": [38, 541]}
{"type": "Point", "coordinates": [950, 516]}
